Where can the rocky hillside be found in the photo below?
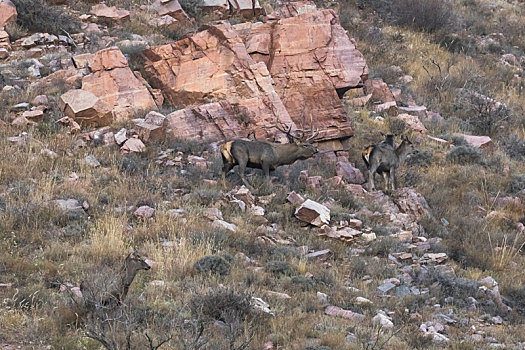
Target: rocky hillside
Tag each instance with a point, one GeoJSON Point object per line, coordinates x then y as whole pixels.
{"type": "Point", "coordinates": [116, 231]}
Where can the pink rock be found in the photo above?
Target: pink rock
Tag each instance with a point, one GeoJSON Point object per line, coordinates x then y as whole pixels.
{"type": "Point", "coordinates": [86, 108]}
{"type": "Point", "coordinates": [114, 83]}
{"type": "Point", "coordinates": [171, 8]}
{"type": "Point", "coordinates": [245, 99]}
{"type": "Point", "coordinates": [413, 122]}
{"type": "Point", "coordinates": [325, 52]}
{"type": "Point", "coordinates": [109, 14]}
{"type": "Point", "coordinates": [133, 145]}
{"type": "Point", "coordinates": [35, 115]}
{"type": "Point", "coordinates": [349, 173]}
{"type": "Point", "coordinates": [379, 90]}
{"type": "Point", "coordinates": [477, 141]}
{"type": "Point", "coordinates": [337, 311]}
{"type": "Point", "coordinates": [144, 212]}
{"type": "Point", "coordinates": [313, 213]}
{"type": "Point", "coordinates": [295, 198]}
{"type": "Point", "coordinates": [7, 12]}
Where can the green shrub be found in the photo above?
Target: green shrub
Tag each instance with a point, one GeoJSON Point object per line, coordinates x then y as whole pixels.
{"type": "Point", "coordinates": [213, 264]}
{"type": "Point", "coordinates": [517, 183]}
{"type": "Point", "coordinates": [420, 159]}
{"type": "Point", "coordinates": [279, 268]}
{"type": "Point", "coordinates": [304, 283]}
{"type": "Point", "coordinates": [514, 147]}
{"type": "Point", "coordinates": [465, 155]}
{"type": "Point", "coordinates": [39, 16]}
{"type": "Point", "coordinates": [318, 347]}
{"type": "Point", "coordinates": [284, 253]}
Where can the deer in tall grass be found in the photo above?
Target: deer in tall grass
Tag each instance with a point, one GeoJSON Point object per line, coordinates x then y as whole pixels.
{"type": "Point", "coordinates": [118, 288]}
{"type": "Point", "coordinates": [384, 159]}
{"type": "Point", "coordinates": [265, 155]}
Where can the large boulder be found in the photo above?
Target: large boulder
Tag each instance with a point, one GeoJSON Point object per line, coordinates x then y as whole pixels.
{"type": "Point", "coordinates": [7, 12]}
{"type": "Point", "coordinates": [313, 62]}
{"type": "Point", "coordinates": [212, 68]}
{"type": "Point", "coordinates": [171, 8]}
{"type": "Point", "coordinates": [86, 108]}
{"type": "Point", "coordinates": [113, 82]}
{"type": "Point", "coordinates": [109, 15]}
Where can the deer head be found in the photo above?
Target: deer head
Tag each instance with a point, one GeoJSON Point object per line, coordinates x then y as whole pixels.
{"type": "Point", "coordinates": [302, 141]}
{"type": "Point", "coordinates": [134, 262]}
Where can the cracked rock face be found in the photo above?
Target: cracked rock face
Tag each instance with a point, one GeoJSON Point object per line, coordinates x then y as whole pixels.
{"type": "Point", "coordinates": [234, 94]}
{"type": "Point", "coordinates": [113, 82]}
{"type": "Point", "coordinates": [312, 62]}
{"type": "Point", "coordinates": [242, 79]}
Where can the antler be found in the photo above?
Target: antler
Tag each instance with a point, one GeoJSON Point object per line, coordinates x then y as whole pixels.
{"type": "Point", "coordinates": [290, 137]}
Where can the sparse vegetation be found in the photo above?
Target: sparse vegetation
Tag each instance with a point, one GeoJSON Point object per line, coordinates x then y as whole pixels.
{"type": "Point", "coordinates": [203, 289]}
{"type": "Point", "coordinates": [40, 16]}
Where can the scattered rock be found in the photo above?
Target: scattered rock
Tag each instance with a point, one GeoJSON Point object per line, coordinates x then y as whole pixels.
{"type": "Point", "coordinates": [109, 15]}
{"type": "Point", "coordinates": [477, 141]}
{"type": "Point", "coordinates": [92, 161]}
{"type": "Point", "coordinates": [382, 320]}
{"type": "Point", "coordinates": [221, 224]}
{"type": "Point", "coordinates": [349, 173]}
{"type": "Point", "coordinates": [8, 12]}
{"type": "Point", "coordinates": [133, 145]}
{"type": "Point", "coordinates": [337, 311]}
{"type": "Point", "coordinates": [295, 198]}
{"type": "Point", "coordinates": [86, 108]}
{"type": "Point", "coordinates": [144, 212]}
{"type": "Point", "coordinates": [313, 213]}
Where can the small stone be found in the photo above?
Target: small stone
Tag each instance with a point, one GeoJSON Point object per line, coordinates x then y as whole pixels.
{"type": "Point", "coordinates": [212, 214]}
{"type": "Point", "coordinates": [363, 301]}
{"type": "Point", "coordinates": [321, 254]}
{"type": "Point", "coordinates": [295, 199]}
{"type": "Point", "coordinates": [121, 136]}
{"type": "Point", "coordinates": [133, 145]}
{"type": "Point", "coordinates": [322, 298]}
{"type": "Point", "coordinates": [224, 225]}
{"type": "Point", "coordinates": [144, 212]}
{"type": "Point", "coordinates": [403, 291]}
{"type": "Point", "coordinates": [386, 287]}
{"type": "Point", "coordinates": [49, 153]}
{"type": "Point", "coordinates": [382, 320]}
{"type": "Point", "coordinates": [92, 161]}
{"type": "Point", "coordinates": [337, 311]}
{"type": "Point", "coordinates": [313, 213]}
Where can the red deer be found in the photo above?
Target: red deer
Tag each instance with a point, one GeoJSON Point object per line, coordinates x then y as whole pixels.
{"type": "Point", "coordinates": [384, 159]}
{"type": "Point", "coordinates": [265, 155]}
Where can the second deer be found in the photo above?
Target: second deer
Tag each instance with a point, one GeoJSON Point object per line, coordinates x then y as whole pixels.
{"type": "Point", "coordinates": [385, 159]}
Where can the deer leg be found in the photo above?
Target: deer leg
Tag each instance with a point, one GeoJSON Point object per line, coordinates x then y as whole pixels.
{"type": "Point", "coordinates": [392, 178]}
{"type": "Point", "coordinates": [226, 167]}
{"type": "Point", "coordinates": [371, 175]}
{"type": "Point", "coordinates": [266, 170]}
{"type": "Point", "coordinates": [242, 170]}
{"type": "Point", "coordinates": [386, 177]}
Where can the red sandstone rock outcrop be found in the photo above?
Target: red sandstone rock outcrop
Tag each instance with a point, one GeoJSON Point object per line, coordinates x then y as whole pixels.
{"type": "Point", "coordinates": [213, 66]}
{"type": "Point", "coordinates": [7, 12]}
{"type": "Point", "coordinates": [171, 8]}
{"type": "Point", "coordinates": [226, 72]}
{"type": "Point", "coordinates": [109, 15]}
{"type": "Point", "coordinates": [313, 62]}
{"type": "Point", "coordinates": [243, 7]}
{"type": "Point", "coordinates": [113, 82]}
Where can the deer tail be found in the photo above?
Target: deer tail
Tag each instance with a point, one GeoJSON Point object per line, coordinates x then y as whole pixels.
{"type": "Point", "coordinates": [365, 154]}
{"type": "Point", "coordinates": [226, 152]}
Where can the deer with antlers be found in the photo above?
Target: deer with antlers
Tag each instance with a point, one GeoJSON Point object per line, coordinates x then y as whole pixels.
{"type": "Point", "coordinates": [266, 155]}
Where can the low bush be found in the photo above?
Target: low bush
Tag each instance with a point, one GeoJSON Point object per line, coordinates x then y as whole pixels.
{"type": "Point", "coordinates": [213, 264]}
{"type": "Point", "coordinates": [465, 155]}
{"type": "Point", "coordinates": [279, 268]}
{"type": "Point", "coordinates": [39, 16]}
